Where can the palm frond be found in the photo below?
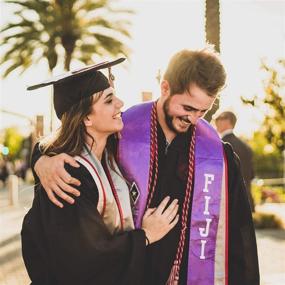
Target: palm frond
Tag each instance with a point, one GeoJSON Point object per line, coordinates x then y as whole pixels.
{"type": "Point", "coordinates": [90, 5]}
{"type": "Point", "coordinates": [83, 28]}
{"type": "Point", "coordinates": [111, 45]}
{"type": "Point", "coordinates": [38, 5]}
{"type": "Point", "coordinates": [13, 66]}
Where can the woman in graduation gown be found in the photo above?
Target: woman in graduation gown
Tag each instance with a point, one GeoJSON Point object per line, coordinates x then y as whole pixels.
{"type": "Point", "coordinates": [93, 241]}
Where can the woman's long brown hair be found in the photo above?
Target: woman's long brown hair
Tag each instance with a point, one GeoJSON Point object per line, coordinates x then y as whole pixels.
{"type": "Point", "coordinates": [71, 137]}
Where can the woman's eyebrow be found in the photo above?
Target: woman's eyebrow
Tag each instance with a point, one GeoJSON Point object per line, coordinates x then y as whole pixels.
{"type": "Point", "coordinates": [108, 95]}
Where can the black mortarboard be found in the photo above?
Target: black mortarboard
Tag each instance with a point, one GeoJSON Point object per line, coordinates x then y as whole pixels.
{"type": "Point", "coordinates": [74, 85]}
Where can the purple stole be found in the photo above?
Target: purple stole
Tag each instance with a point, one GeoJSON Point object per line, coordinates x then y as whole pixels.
{"type": "Point", "coordinates": [207, 256]}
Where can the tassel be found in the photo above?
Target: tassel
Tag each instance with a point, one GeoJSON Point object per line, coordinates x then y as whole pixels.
{"type": "Point", "coordinates": [174, 274]}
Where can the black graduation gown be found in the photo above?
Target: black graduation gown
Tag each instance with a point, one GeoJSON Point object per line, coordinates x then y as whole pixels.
{"type": "Point", "coordinates": [72, 246]}
{"type": "Point", "coordinates": [172, 178]}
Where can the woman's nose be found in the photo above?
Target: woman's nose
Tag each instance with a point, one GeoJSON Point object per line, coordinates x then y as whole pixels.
{"type": "Point", "coordinates": [119, 103]}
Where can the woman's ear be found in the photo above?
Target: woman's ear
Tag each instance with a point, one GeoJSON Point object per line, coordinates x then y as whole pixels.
{"type": "Point", "coordinates": [165, 88]}
{"type": "Point", "coordinates": [87, 122]}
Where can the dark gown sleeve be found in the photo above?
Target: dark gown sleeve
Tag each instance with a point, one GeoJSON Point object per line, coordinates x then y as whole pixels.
{"type": "Point", "coordinates": [36, 154]}
{"type": "Point", "coordinates": [74, 245]}
{"type": "Point", "coordinates": [243, 260]}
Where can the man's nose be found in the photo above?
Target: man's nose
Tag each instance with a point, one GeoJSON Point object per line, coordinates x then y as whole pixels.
{"type": "Point", "coordinates": [194, 117]}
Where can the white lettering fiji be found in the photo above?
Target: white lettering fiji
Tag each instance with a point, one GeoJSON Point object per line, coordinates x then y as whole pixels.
{"type": "Point", "coordinates": [204, 232]}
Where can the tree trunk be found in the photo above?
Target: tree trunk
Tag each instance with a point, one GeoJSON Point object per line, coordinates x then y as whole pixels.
{"type": "Point", "coordinates": [67, 60]}
{"type": "Point", "coordinates": [212, 29]}
{"type": "Point", "coordinates": [68, 41]}
{"type": "Point", "coordinates": [212, 25]}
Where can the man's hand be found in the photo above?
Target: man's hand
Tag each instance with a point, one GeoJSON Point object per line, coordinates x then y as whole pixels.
{"type": "Point", "coordinates": [55, 179]}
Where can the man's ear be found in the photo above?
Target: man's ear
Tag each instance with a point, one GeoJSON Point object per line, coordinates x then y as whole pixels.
{"type": "Point", "coordinates": [165, 88]}
{"type": "Point", "coordinates": [87, 122]}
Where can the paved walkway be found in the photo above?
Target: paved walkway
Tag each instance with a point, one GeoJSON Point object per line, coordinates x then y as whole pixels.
{"type": "Point", "coordinates": [271, 248]}
{"type": "Point", "coordinates": [12, 270]}
{"type": "Point", "coordinates": [271, 251]}
{"type": "Point", "coordinates": [271, 243]}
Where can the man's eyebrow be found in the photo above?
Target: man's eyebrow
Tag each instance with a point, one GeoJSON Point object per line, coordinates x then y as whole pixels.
{"type": "Point", "coordinates": [191, 108]}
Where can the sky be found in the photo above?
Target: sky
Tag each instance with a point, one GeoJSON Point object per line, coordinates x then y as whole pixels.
{"type": "Point", "coordinates": [250, 31]}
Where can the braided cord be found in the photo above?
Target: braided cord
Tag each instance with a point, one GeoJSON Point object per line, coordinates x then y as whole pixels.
{"type": "Point", "coordinates": [186, 204]}
{"type": "Point", "coordinates": [153, 155]}
{"type": "Point", "coordinates": [153, 174]}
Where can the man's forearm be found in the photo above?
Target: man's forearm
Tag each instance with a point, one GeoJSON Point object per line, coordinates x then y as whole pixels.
{"type": "Point", "coordinates": [36, 154]}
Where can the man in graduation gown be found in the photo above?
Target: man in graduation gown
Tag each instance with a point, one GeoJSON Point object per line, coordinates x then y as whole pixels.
{"type": "Point", "coordinates": [167, 149]}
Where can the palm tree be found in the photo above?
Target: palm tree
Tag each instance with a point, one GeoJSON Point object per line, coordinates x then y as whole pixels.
{"type": "Point", "coordinates": [75, 29]}
{"type": "Point", "coordinates": [212, 28]}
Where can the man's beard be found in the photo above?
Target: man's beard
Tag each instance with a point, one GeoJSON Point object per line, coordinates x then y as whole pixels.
{"type": "Point", "coordinates": [169, 119]}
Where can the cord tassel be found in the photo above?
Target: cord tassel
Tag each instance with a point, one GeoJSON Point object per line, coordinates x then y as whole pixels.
{"type": "Point", "coordinates": [173, 277]}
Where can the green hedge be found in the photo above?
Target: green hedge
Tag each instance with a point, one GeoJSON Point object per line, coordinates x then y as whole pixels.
{"type": "Point", "coordinates": [271, 194]}
{"type": "Point", "coordinates": [267, 221]}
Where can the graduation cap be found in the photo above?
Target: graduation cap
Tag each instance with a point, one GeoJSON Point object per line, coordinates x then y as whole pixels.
{"type": "Point", "coordinates": [69, 88]}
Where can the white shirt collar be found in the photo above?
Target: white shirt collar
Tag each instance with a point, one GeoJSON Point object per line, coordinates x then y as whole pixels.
{"type": "Point", "coordinates": [226, 132]}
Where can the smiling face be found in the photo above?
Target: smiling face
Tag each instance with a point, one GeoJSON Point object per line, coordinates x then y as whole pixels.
{"type": "Point", "coordinates": [105, 117]}
{"type": "Point", "coordinates": [182, 110]}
